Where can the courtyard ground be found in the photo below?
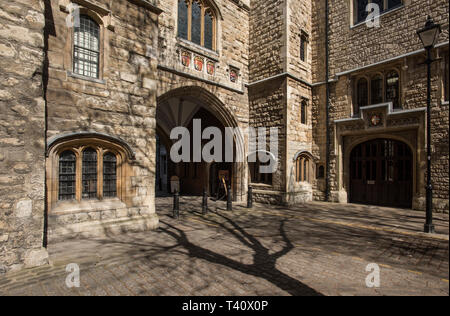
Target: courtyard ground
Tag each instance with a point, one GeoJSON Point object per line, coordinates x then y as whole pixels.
{"type": "Point", "coordinates": [311, 249]}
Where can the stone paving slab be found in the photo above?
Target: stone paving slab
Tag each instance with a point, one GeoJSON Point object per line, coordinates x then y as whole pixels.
{"type": "Point", "coordinates": [264, 251]}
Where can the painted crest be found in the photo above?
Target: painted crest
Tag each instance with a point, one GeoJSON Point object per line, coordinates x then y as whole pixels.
{"type": "Point", "coordinates": [233, 75]}
{"type": "Point", "coordinates": [210, 68]}
{"type": "Point", "coordinates": [186, 58]}
{"type": "Point", "coordinates": [375, 120]}
{"type": "Point", "coordinates": [198, 63]}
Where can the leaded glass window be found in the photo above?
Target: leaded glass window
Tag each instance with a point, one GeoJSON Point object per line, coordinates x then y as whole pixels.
{"type": "Point", "coordinates": [196, 28]}
{"type": "Point", "coordinates": [302, 169]}
{"type": "Point", "coordinates": [393, 88]}
{"type": "Point", "coordinates": [380, 4]}
{"type": "Point", "coordinates": [196, 22]}
{"type": "Point", "coordinates": [445, 76]}
{"type": "Point", "coordinates": [86, 51]}
{"type": "Point", "coordinates": [208, 30]}
{"type": "Point", "coordinates": [67, 176]}
{"type": "Point", "coordinates": [109, 175]}
{"type": "Point", "coordinates": [391, 4]}
{"type": "Point", "coordinates": [303, 46]}
{"type": "Point", "coordinates": [362, 94]}
{"type": "Point", "coordinates": [303, 110]}
{"type": "Point", "coordinates": [183, 19]}
{"type": "Point", "coordinates": [89, 174]}
{"type": "Point", "coordinates": [376, 90]}
{"type": "Point", "coordinates": [360, 8]}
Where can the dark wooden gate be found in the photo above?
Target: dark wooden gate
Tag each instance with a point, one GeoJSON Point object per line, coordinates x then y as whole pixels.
{"type": "Point", "coordinates": [381, 173]}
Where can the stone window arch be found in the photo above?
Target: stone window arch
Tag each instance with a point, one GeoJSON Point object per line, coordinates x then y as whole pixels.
{"type": "Point", "coordinates": [197, 22]}
{"type": "Point", "coordinates": [88, 167]}
{"type": "Point", "coordinates": [304, 167]}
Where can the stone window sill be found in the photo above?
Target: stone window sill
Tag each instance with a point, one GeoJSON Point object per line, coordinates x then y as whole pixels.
{"type": "Point", "coordinates": [213, 55]}
{"type": "Point", "coordinates": [381, 15]}
{"type": "Point", "coordinates": [444, 102]}
{"type": "Point", "coordinates": [77, 76]}
{"type": "Point", "coordinates": [261, 185]}
{"type": "Point", "coordinates": [69, 207]}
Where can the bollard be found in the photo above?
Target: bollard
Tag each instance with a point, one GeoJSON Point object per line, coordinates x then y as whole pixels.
{"type": "Point", "coordinates": [250, 197]}
{"type": "Point", "coordinates": [176, 205]}
{"type": "Point", "coordinates": [205, 202]}
{"type": "Point", "coordinates": [229, 197]}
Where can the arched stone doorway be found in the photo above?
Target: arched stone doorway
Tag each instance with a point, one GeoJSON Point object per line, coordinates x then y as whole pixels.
{"type": "Point", "coordinates": [381, 173]}
{"type": "Point", "coordinates": [179, 108]}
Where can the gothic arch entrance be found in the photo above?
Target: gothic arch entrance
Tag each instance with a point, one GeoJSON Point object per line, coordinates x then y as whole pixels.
{"type": "Point", "coordinates": [381, 173]}
{"type": "Point", "coordinates": [179, 108]}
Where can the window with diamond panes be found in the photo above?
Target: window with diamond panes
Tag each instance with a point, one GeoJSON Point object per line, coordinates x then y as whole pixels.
{"type": "Point", "coordinates": [109, 175]}
{"type": "Point", "coordinates": [86, 48]}
{"type": "Point", "coordinates": [67, 176]}
{"type": "Point", "coordinates": [89, 174]}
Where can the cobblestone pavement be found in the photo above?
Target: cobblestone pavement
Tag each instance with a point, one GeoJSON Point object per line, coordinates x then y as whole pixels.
{"type": "Point", "coordinates": [313, 249]}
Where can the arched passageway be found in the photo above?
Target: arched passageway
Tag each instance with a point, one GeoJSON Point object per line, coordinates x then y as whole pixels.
{"type": "Point", "coordinates": [180, 108]}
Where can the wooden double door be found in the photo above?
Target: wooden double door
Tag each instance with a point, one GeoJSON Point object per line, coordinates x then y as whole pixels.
{"type": "Point", "coordinates": [381, 173]}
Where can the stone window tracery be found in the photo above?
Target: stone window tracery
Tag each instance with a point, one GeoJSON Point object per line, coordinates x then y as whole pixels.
{"type": "Point", "coordinates": [302, 168]}
{"type": "Point", "coordinates": [197, 23]}
{"type": "Point", "coordinates": [87, 169]}
{"type": "Point", "coordinates": [382, 87]}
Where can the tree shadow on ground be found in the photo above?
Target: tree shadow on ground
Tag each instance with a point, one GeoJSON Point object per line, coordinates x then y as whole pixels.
{"type": "Point", "coordinates": [264, 262]}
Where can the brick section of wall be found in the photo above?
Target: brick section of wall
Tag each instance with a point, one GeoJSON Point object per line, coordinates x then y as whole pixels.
{"type": "Point", "coordinates": [22, 134]}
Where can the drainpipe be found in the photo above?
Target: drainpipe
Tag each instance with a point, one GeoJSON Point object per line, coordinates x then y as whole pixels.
{"type": "Point", "coordinates": [327, 108]}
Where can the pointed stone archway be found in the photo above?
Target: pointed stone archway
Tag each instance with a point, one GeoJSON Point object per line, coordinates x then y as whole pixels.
{"type": "Point", "coordinates": [178, 108]}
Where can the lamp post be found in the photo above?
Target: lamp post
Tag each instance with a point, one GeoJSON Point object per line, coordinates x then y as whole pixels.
{"type": "Point", "coordinates": [429, 35]}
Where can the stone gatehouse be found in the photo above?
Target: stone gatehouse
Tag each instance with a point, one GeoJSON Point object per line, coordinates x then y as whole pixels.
{"type": "Point", "coordinates": [88, 105]}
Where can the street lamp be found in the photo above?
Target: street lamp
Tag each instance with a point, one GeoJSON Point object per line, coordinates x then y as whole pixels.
{"type": "Point", "coordinates": [429, 35]}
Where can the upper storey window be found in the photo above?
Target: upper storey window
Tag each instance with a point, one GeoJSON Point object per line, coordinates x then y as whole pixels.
{"type": "Point", "coordinates": [197, 23]}
{"type": "Point", "coordinates": [360, 7]}
{"type": "Point", "coordinates": [382, 87]}
{"type": "Point", "coordinates": [86, 48]}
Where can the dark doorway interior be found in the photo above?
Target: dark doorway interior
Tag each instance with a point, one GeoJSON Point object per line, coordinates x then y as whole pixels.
{"type": "Point", "coordinates": [381, 173]}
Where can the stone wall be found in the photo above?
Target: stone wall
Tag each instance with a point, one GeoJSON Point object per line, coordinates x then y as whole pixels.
{"type": "Point", "coordinates": [120, 104]}
{"type": "Point", "coordinates": [22, 134]}
{"type": "Point", "coordinates": [268, 44]}
{"type": "Point", "coordinates": [357, 50]}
